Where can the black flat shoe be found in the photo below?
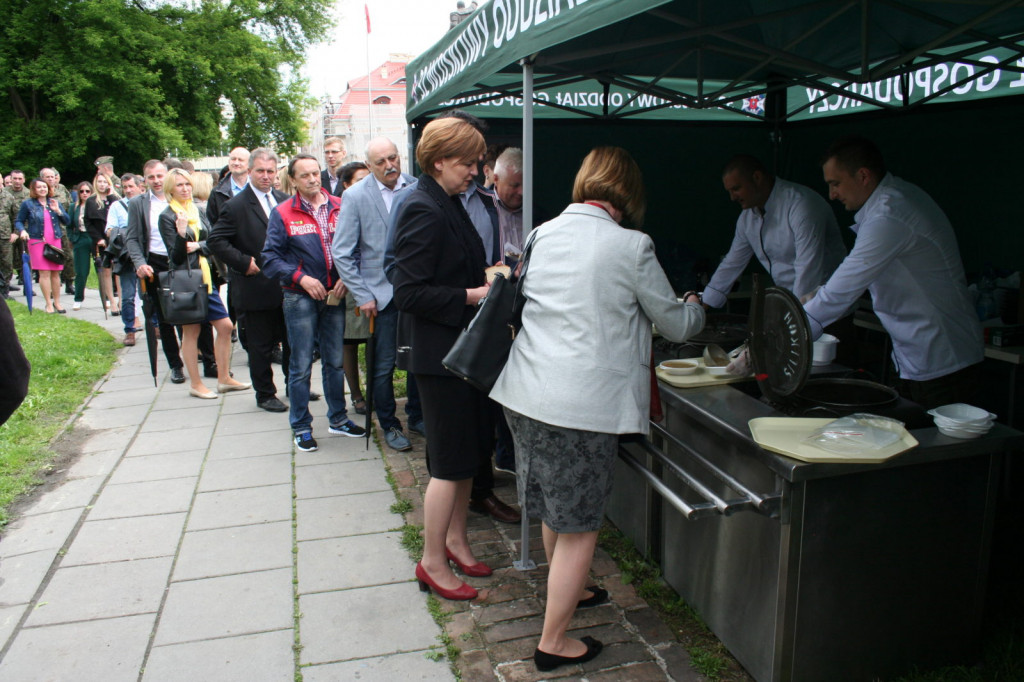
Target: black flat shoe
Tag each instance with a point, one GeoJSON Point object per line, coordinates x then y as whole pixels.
{"type": "Point", "coordinates": [546, 662]}
{"type": "Point", "coordinates": [600, 597]}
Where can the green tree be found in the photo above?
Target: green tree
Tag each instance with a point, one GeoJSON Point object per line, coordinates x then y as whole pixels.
{"type": "Point", "coordinates": [140, 79]}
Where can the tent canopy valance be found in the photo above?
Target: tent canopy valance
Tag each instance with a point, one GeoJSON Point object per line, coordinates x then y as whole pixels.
{"type": "Point", "coordinates": [750, 59]}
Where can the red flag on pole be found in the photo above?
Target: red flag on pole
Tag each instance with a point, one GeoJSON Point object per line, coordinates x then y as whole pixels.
{"type": "Point", "coordinates": [367, 8]}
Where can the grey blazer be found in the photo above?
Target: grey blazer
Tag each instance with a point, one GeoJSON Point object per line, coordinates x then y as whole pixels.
{"type": "Point", "coordinates": [360, 242]}
{"type": "Point", "coordinates": [582, 358]}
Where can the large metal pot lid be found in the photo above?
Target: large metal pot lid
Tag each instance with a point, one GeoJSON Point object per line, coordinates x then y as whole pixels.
{"type": "Point", "coordinates": [780, 341]}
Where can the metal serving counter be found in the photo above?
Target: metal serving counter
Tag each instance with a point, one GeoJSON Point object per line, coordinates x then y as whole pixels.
{"type": "Point", "coordinates": [810, 571]}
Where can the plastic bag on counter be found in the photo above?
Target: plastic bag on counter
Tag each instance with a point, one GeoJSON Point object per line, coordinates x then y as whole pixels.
{"type": "Point", "coordinates": [857, 433]}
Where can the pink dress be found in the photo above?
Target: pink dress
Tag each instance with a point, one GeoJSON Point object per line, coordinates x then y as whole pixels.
{"type": "Point", "coordinates": [35, 246]}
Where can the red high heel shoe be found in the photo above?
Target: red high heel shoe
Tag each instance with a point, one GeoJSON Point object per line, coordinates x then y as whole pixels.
{"type": "Point", "coordinates": [477, 570]}
{"type": "Point", "coordinates": [463, 593]}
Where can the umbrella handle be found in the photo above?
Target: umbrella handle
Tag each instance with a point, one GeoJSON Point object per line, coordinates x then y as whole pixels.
{"type": "Point", "coordinates": [373, 318]}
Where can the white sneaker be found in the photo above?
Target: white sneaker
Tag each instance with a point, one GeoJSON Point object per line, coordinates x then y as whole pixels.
{"type": "Point", "coordinates": [76, 306]}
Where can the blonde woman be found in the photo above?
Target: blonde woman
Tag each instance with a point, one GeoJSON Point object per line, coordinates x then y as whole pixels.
{"type": "Point", "coordinates": [202, 186]}
{"type": "Point", "coordinates": [184, 229]}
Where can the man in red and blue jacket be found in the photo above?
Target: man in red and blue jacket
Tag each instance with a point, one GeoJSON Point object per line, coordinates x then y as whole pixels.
{"type": "Point", "coordinates": [297, 254]}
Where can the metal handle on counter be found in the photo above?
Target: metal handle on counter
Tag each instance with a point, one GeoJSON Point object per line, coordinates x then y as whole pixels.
{"type": "Point", "coordinates": [766, 504]}
{"type": "Point", "coordinates": [686, 509]}
{"type": "Point", "coordinates": [714, 505]}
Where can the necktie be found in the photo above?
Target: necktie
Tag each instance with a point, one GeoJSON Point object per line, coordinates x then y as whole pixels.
{"type": "Point", "coordinates": [270, 206]}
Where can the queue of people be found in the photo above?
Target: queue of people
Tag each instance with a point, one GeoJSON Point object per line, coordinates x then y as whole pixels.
{"type": "Point", "coordinates": [363, 246]}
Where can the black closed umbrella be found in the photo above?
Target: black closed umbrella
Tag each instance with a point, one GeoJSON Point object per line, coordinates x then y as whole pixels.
{"type": "Point", "coordinates": [147, 314]}
{"type": "Point", "coordinates": [371, 351]}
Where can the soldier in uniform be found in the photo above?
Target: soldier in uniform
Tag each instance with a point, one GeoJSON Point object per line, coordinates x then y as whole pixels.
{"type": "Point", "coordinates": [10, 246]}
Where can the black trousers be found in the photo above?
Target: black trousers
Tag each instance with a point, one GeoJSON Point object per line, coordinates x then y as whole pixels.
{"type": "Point", "coordinates": [264, 329]}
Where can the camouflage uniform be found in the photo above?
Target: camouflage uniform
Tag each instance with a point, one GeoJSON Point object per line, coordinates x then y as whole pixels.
{"type": "Point", "coordinates": [67, 275]}
{"type": "Point", "coordinates": [10, 202]}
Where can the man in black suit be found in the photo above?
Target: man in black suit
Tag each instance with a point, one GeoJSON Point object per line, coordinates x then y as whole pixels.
{"type": "Point", "coordinates": [334, 155]}
{"type": "Point", "coordinates": [237, 239]}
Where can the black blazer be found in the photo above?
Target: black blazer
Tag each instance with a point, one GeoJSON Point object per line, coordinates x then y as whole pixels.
{"type": "Point", "coordinates": [237, 237]}
{"type": "Point", "coordinates": [325, 182]}
{"type": "Point", "coordinates": [177, 246]}
{"type": "Point", "coordinates": [438, 255]}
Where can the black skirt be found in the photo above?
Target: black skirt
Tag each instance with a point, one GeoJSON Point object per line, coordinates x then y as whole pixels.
{"type": "Point", "coordinates": [460, 426]}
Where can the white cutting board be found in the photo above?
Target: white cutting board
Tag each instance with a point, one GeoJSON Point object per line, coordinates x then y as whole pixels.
{"type": "Point", "coordinates": [698, 378]}
{"type": "Point", "coordinates": [786, 436]}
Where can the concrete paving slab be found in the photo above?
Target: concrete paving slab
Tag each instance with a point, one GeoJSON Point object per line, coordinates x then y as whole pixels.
{"type": "Point", "coordinates": [330, 517]}
{"type": "Point", "coordinates": [376, 621]}
{"type": "Point", "coordinates": [174, 397]}
{"type": "Point", "coordinates": [251, 445]}
{"type": "Point", "coordinates": [334, 455]}
{"type": "Point", "coordinates": [251, 422]}
{"type": "Point", "coordinates": [111, 650]}
{"type": "Point", "coordinates": [38, 532]}
{"type": "Point", "coordinates": [242, 507]}
{"type": "Point", "coordinates": [114, 417]}
{"type": "Point", "coordinates": [10, 616]}
{"type": "Point", "coordinates": [222, 607]}
{"type": "Point", "coordinates": [108, 439]}
{"type": "Point", "coordinates": [128, 381]}
{"type": "Point", "coordinates": [224, 551]}
{"type": "Point", "coordinates": [95, 464]}
{"type": "Point", "coordinates": [250, 472]}
{"type": "Point", "coordinates": [74, 493]}
{"type": "Point", "coordinates": [158, 467]}
{"type": "Point", "coordinates": [112, 399]}
{"type": "Point", "coordinates": [266, 656]}
{"type": "Point", "coordinates": [359, 561]}
{"type": "Point", "coordinates": [411, 666]}
{"type": "Point", "coordinates": [343, 478]}
{"type": "Point", "coordinates": [142, 537]}
{"type": "Point", "coordinates": [123, 588]}
{"type": "Point", "coordinates": [21, 576]}
{"type": "Point", "coordinates": [249, 406]}
{"type": "Point", "coordinates": [197, 438]}
{"type": "Point", "coordinates": [174, 420]}
{"type": "Point", "coordinates": [144, 499]}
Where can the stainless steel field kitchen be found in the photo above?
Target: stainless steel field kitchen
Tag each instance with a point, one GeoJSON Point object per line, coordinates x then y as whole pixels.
{"type": "Point", "coordinates": [813, 571]}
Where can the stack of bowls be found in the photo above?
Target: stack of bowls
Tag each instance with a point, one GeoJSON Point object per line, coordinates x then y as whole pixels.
{"type": "Point", "coordinates": [960, 420]}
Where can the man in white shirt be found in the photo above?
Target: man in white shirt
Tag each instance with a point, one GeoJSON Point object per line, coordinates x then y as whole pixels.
{"type": "Point", "coordinates": [789, 228]}
{"type": "Point", "coordinates": [117, 223]}
{"type": "Point", "coordinates": [358, 248]}
{"type": "Point", "coordinates": [231, 185]}
{"type": "Point", "coordinates": [906, 256]}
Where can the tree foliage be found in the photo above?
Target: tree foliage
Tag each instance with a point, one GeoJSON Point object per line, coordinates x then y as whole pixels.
{"type": "Point", "coordinates": [138, 79]}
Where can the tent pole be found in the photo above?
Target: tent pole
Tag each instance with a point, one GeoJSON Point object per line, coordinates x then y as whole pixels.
{"type": "Point", "coordinates": [527, 144]}
{"type": "Point", "coordinates": [524, 563]}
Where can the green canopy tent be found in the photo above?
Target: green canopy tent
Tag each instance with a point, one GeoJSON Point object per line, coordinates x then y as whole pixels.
{"type": "Point", "coordinates": [768, 66]}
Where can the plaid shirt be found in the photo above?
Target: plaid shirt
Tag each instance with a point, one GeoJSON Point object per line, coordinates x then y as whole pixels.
{"type": "Point", "coordinates": [321, 216]}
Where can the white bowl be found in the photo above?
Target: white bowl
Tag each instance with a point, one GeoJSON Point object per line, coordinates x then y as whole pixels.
{"type": "Point", "coordinates": [959, 433]}
{"type": "Point", "coordinates": [824, 350]}
{"type": "Point", "coordinates": [716, 371]}
{"type": "Point", "coordinates": [962, 413]}
{"type": "Point", "coordinates": [678, 367]}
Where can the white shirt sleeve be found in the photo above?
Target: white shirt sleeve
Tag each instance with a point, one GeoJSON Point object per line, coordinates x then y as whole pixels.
{"type": "Point", "coordinates": [729, 269]}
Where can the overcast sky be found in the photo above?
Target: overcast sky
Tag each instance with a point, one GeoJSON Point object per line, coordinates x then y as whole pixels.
{"type": "Point", "coordinates": [404, 26]}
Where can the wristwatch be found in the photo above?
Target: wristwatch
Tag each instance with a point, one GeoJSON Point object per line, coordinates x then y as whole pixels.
{"type": "Point", "coordinates": [690, 293]}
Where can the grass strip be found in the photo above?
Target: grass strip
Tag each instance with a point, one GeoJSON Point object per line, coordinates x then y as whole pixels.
{"type": "Point", "coordinates": [68, 357]}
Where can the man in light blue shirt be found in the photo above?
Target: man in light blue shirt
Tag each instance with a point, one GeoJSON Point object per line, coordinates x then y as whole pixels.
{"type": "Point", "coordinates": [906, 256]}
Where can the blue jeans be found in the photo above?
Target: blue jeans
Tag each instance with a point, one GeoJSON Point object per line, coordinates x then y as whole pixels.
{"type": "Point", "coordinates": [386, 345]}
{"type": "Point", "coordinates": [307, 320]}
{"type": "Point", "coordinates": [129, 283]}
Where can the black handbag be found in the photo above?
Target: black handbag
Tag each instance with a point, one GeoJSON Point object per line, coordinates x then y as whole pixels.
{"type": "Point", "coordinates": [54, 254]}
{"type": "Point", "coordinates": [481, 350]}
{"type": "Point", "coordinates": [183, 296]}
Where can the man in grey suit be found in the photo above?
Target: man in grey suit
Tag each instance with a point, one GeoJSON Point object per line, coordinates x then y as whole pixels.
{"type": "Point", "coordinates": [358, 250]}
{"type": "Point", "coordinates": [149, 256]}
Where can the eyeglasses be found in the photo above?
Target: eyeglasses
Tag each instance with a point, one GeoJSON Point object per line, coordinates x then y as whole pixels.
{"type": "Point", "coordinates": [85, 191]}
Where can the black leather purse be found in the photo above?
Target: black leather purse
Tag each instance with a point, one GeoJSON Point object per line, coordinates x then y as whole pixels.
{"type": "Point", "coordinates": [482, 349]}
{"type": "Point", "coordinates": [53, 254]}
{"type": "Point", "coordinates": [183, 296]}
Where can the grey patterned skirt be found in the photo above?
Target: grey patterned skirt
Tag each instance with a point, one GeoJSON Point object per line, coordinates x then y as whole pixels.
{"type": "Point", "coordinates": [564, 475]}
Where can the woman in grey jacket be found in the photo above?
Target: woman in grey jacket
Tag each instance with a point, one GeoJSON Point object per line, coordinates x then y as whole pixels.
{"type": "Point", "coordinates": [579, 375]}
